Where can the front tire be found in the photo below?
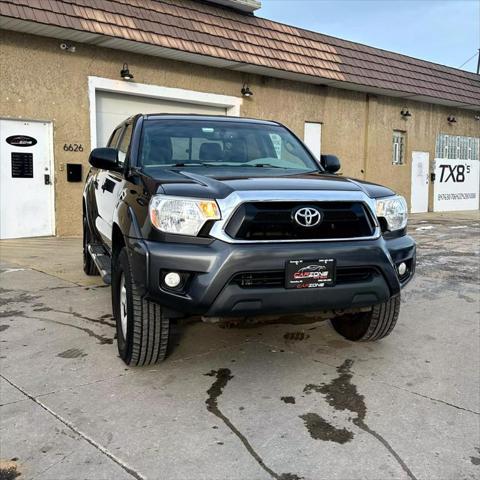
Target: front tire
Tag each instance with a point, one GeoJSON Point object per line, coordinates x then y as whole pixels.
{"type": "Point", "coordinates": [143, 331]}
{"type": "Point", "coordinates": [369, 326]}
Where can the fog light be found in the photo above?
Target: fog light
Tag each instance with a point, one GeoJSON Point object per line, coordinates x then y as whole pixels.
{"type": "Point", "coordinates": [172, 279]}
{"type": "Point", "coordinates": [402, 269]}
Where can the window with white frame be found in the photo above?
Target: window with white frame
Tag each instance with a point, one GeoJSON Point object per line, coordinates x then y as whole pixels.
{"type": "Point", "coordinates": [398, 147]}
{"type": "Point", "coordinates": [457, 147]}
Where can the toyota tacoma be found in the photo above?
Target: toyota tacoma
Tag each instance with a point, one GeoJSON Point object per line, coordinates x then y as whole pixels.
{"type": "Point", "coordinates": [224, 217]}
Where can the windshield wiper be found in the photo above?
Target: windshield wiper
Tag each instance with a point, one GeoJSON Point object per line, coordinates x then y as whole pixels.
{"type": "Point", "coordinates": [250, 165]}
{"type": "Point", "coordinates": [188, 164]}
{"type": "Point", "coordinates": [263, 165]}
{"type": "Point", "coordinates": [267, 165]}
{"type": "Point", "coordinates": [224, 164]}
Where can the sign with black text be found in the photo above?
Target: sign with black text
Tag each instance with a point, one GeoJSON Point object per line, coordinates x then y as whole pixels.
{"type": "Point", "coordinates": [457, 185]}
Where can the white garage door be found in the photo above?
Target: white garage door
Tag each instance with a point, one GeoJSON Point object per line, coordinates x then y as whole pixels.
{"type": "Point", "coordinates": [114, 108]}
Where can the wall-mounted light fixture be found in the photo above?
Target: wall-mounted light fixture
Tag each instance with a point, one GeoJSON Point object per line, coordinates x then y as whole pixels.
{"type": "Point", "coordinates": [246, 92]}
{"type": "Point", "coordinates": [477, 118]}
{"type": "Point", "coordinates": [451, 119]}
{"type": "Point", "coordinates": [405, 113]}
{"type": "Point", "coordinates": [125, 72]}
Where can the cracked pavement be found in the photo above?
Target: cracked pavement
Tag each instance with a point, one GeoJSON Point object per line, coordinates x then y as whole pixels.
{"type": "Point", "coordinates": [286, 401]}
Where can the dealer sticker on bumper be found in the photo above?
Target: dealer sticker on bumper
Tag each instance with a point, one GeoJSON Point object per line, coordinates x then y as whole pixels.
{"type": "Point", "coordinates": [310, 273]}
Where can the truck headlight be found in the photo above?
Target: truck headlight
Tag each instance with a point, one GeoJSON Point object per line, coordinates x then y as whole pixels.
{"type": "Point", "coordinates": [393, 210]}
{"type": "Point", "coordinates": [183, 216]}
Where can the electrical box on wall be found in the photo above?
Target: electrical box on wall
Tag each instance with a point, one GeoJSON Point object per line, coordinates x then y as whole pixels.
{"type": "Point", "coordinates": [74, 172]}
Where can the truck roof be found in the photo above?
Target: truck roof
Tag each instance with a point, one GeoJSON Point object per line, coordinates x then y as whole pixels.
{"type": "Point", "coordinates": [221, 118]}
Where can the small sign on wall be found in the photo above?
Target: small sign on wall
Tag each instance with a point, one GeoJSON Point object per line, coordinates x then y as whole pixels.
{"type": "Point", "coordinates": [457, 185]}
{"type": "Point", "coordinates": [21, 141]}
{"type": "Point", "coordinates": [22, 165]}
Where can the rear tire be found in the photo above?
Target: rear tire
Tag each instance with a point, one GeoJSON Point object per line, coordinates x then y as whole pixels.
{"type": "Point", "coordinates": [88, 266]}
{"type": "Point", "coordinates": [147, 337]}
{"type": "Point", "coordinates": [369, 326]}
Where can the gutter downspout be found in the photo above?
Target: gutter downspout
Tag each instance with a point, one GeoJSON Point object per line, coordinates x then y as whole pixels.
{"type": "Point", "coordinates": [365, 139]}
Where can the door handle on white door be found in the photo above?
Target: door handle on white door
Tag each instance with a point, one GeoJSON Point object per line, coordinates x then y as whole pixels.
{"type": "Point", "coordinates": [46, 178]}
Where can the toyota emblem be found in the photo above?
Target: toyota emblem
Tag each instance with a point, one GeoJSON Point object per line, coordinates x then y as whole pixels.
{"type": "Point", "coordinates": [307, 216]}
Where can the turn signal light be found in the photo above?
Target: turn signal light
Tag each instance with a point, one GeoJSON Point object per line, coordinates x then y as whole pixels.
{"type": "Point", "coordinates": [209, 209]}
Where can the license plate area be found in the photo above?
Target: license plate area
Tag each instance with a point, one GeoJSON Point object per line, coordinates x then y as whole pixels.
{"type": "Point", "coordinates": [318, 273]}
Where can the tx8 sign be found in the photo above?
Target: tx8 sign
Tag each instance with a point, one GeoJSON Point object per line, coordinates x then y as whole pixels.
{"type": "Point", "coordinates": [457, 184]}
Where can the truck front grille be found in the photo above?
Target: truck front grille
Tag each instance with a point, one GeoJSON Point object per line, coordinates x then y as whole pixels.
{"type": "Point", "coordinates": [276, 278]}
{"type": "Point", "coordinates": [274, 221]}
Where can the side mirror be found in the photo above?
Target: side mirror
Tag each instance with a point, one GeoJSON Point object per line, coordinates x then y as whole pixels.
{"type": "Point", "coordinates": [104, 158]}
{"type": "Point", "coordinates": [330, 163]}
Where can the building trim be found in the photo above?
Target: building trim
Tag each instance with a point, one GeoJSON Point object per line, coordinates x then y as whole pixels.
{"type": "Point", "coordinates": [100, 84]}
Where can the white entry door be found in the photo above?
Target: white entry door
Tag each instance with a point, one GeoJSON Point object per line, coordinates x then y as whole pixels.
{"type": "Point", "coordinates": [420, 182]}
{"type": "Point", "coordinates": [312, 137]}
{"type": "Point", "coordinates": [26, 180]}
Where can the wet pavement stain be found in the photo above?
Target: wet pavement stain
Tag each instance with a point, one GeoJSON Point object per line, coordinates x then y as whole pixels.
{"type": "Point", "coordinates": [342, 394]}
{"type": "Point", "coordinates": [42, 309]}
{"type": "Point", "coordinates": [296, 336]}
{"type": "Point", "coordinates": [4, 327]}
{"type": "Point", "coordinates": [288, 399]}
{"type": "Point", "coordinates": [72, 353]}
{"type": "Point", "coordinates": [12, 313]}
{"type": "Point", "coordinates": [320, 429]}
{"type": "Point", "coordinates": [476, 460]}
{"type": "Point", "coordinates": [103, 320]}
{"type": "Point", "coordinates": [20, 298]}
{"type": "Point", "coordinates": [467, 298]}
{"type": "Point", "coordinates": [222, 377]}
{"type": "Point", "coordinates": [102, 340]}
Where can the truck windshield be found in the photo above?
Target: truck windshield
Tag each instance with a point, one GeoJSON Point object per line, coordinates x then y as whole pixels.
{"type": "Point", "coordinates": [206, 143]}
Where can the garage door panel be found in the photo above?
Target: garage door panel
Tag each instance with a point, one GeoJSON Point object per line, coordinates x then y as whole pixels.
{"type": "Point", "coordinates": [114, 108]}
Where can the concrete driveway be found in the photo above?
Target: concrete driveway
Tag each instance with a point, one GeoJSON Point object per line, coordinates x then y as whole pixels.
{"type": "Point", "coordinates": [283, 401]}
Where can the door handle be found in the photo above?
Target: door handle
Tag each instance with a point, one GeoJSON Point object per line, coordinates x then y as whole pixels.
{"type": "Point", "coordinates": [46, 179]}
{"type": "Point", "coordinates": [108, 186]}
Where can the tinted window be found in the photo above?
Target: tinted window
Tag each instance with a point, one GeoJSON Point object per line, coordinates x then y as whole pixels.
{"type": "Point", "coordinates": [198, 143]}
{"type": "Point", "coordinates": [113, 142]}
{"type": "Point", "coordinates": [124, 144]}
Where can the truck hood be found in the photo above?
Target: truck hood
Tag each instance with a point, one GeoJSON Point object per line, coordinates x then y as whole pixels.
{"type": "Point", "coordinates": [189, 184]}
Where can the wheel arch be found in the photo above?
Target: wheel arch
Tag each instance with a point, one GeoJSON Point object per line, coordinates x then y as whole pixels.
{"type": "Point", "coordinates": [118, 240]}
{"type": "Point", "coordinates": [126, 233]}
{"type": "Point", "coordinates": [89, 209]}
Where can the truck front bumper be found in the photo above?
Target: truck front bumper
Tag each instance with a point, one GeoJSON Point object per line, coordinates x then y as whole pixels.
{"type": "Point", "coordinates": [212, 271]}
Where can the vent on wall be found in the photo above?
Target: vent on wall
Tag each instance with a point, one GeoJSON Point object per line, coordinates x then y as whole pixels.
{"type": "Point", "coordinates": [248, 6]}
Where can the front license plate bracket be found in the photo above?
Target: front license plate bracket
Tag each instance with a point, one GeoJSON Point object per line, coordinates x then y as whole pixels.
{"type": "Point", "coordinates": [318, 273]}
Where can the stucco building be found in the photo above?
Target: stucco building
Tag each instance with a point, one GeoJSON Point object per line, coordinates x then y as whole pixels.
{"type": "Point", "coordinates": [387, 116]}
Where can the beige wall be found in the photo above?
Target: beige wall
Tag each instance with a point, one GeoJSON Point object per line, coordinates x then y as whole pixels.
{"type": "Point", "coordinates": [40, 81]}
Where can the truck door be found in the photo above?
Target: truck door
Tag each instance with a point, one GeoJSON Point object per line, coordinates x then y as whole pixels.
{"type": "Point", "coordinates": [105, 181]}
